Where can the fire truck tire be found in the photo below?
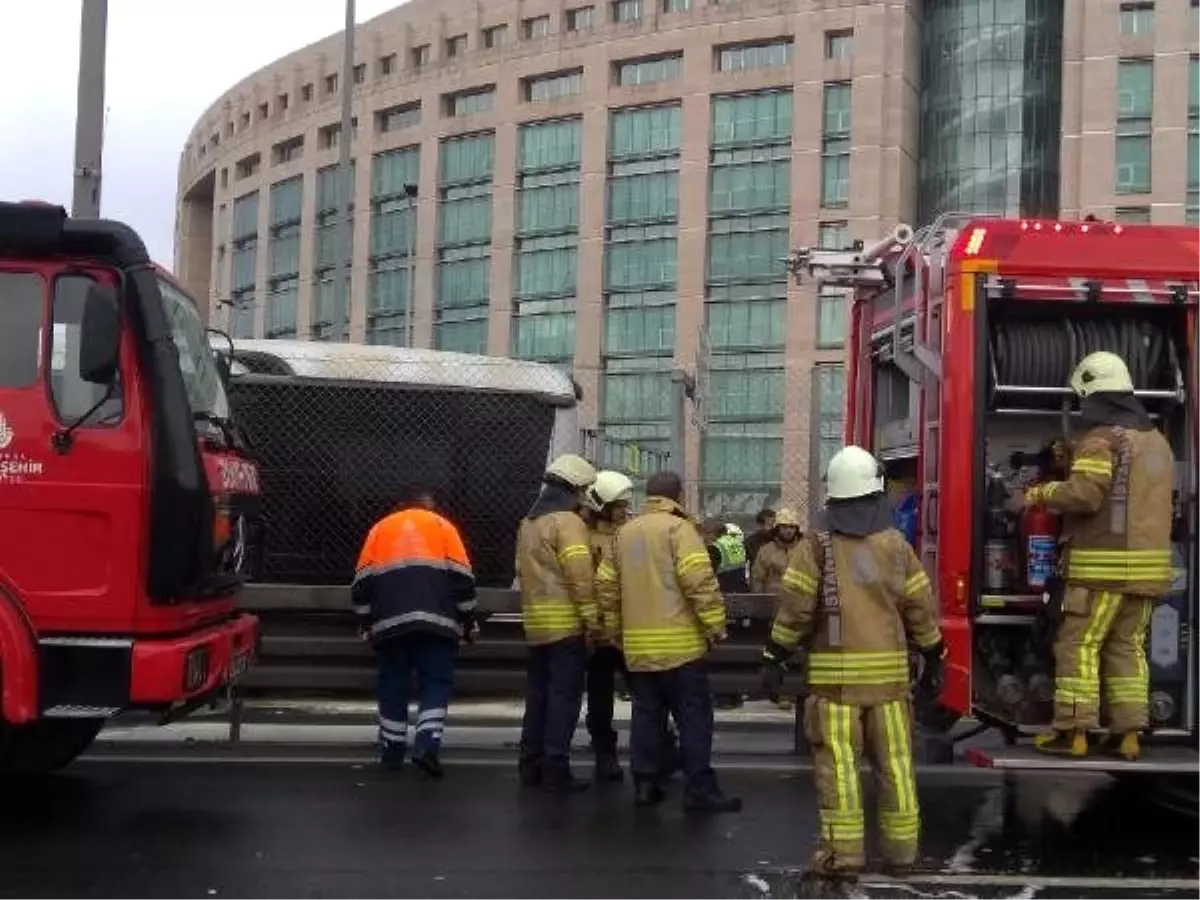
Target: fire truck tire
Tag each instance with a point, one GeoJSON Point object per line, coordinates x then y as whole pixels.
{"type": "Point", "coordinates": [46, 745]}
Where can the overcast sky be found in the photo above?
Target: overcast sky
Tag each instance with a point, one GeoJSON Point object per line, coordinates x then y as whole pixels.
{"type": "Point", "coordinates": [167, 61]}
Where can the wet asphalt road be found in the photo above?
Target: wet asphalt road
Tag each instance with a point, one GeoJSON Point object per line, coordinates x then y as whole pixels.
{"type": "Point", "coordinates": [110, 828]}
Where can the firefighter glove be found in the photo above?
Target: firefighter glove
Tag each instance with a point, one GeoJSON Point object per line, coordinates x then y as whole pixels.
{"type": "Point", "coordinates": [933, 673]}
{"type": "Point", "coordinates": [775, 668]}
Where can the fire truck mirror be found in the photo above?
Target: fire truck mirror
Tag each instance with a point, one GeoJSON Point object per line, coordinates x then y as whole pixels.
{"type": "Point", "coordinates": [100, 335]}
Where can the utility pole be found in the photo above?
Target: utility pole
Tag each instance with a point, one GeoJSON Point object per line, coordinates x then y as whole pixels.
{"type": "Point", "coordinates": [411, 192]}
{"type": "Point", "coordinates": [345, 184]}
{"type": "Point", "coordinates": [89, 109]}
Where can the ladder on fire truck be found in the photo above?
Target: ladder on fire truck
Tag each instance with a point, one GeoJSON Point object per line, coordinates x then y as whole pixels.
{"type": "Point", "coordinates": [869, 272]}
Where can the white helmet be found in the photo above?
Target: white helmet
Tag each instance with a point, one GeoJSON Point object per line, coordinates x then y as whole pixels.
{"type": "Point", "coordinates": [1101, 373]}
{"type": "Point", "coordinates": [853, 472]}
{"type": "Point", "coordinates": [573, 470]}
{"type": "Point", "coordinates": [609, 487]}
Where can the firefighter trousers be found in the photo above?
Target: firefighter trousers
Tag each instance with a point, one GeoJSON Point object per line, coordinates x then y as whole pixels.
{"type": "Point", "coordinates": [1102, 640]}
{"type": "Point", "coordinates": [839, 734]}
{"type": "Point", "coordinates": [603, 666]}
{"type": "Point", "coordinates": [431, 657]}
{"type": "Point", "coordinates": [553, 700]}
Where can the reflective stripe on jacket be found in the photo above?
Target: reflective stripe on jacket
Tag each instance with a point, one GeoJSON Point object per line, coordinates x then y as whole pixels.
{"type": "Point", "coordinates": [554, 567]}
{"type": "Point", "coordinates": [1117, 505]}
{"type": "Point", "coordinates": [884, 600]}
{"type": "Point", "coordinates": [413, 575]}
{"type": "Point", "coordinates": [658, 594]}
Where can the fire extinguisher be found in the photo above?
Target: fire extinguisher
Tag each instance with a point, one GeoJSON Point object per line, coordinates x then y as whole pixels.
{"type": "Point", "coordinates": [1039, 534]}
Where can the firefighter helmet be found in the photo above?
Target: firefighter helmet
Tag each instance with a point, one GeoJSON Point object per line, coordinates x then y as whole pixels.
{"type": "Point", "coordinates": [571, 470]}
{"type": "Point", "coordinates": [853, 472]}
{"type": "Point", "coordinates": [785, 517]}
{"type": "Point", "coordinates": [609, 487]}
{"type": "Point", "coordinates": [1101, 373]}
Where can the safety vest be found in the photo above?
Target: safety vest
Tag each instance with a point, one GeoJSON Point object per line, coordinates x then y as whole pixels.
{"type": "Point", "coordinates": [733, 553]}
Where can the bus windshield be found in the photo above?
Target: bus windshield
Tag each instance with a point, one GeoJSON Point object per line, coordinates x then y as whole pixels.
{"type": "Point", "coordinates": [206, 393]}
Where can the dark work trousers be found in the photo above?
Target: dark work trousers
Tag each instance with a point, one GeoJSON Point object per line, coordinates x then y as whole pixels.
{"type": "Point", "coordinates": [685, 694]}
{"type": "Point", "coordinates": [553, 699]}
{"type": "Point", "coordinates": [603, 666]}
{"type": "Point", "coordinates": [431, 657]}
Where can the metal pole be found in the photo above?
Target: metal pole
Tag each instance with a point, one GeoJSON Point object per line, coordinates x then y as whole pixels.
{"type": "Point", "coordinates": [410, 300]}
{"type": "Point", "coordinates": [679, 389]}
{"type": "Point", "coordinates": [345, 184]}
{"type": "Point", "coordinates": [89, 109]}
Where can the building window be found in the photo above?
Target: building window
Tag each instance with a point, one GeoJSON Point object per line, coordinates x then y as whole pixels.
{"type": "Point", "coordinates": [394, 178]}
{"type": "Point", "coordinates": [396, 118]}
{"type": "Point", "coordinates": [329, 136]}
{"type": "Point", "coordinates": [536, 27]}
{"type": "Point", "coordinates": [676, 6]}
{"type": "Point", "coordinates": [546, 240]}
{"type": "Point", "coordinates": [626, 10]}
{"type": "Point", "coordinates": [464, 243]}
{"type": "Point", "coordinates": [648, 70]}
{"type": "Point", "coordinates": [839, 44]}
{"type": "Point", "coordinates": [281, 102]}
{"type": "Point", "coordinates": [331, 84]}
{"type": "Point", "coordinates": [456, 45]}
{"type": "Point", "coordinates": [330, 313]}
{"type": "Point", "coordinates": [833, 236]}
{"type": "Point", "coordinates": [1137, 18]}
{"type": "Point", "coordinates": [1132, 215]}
{"type": "Point", "coordinates": [287, 151]}
{"type": "Point", "coordinates": [831, 321]}
{"type": "Point", "coordinates": [827, 423]}
{"type": "Point", "coordinates": [243, 274]}
{"type": "Point", "coordinates": [360, 73]}
{"type": "Point", "coordinates": [244, 121]}
{"type": "Point", "coordinates": [387, 64]}
{"type": "Point", "coordinates": [552, 87]}
{"type": "Point", "coordinates": [581, 17]}
{"type": "Point", "coordinates": [495, 36]}
{"type": "Point", "coordinates": [283, 253]}
{"type": "Point", "coordinates": [1135, 106]}
{"type": "Point", "coordinates": [306, 92]}
{"type": "Point", "coordinates": [835, 146]}
{"type": "Point", "coordinates": [757, 55]}
{"type": "Point", "coordinates": [247, 166]}
{"type": "Point", "coordinates": [264, 110]}
{"type": "Point", "coordinates": [466, 103]}
{"type": "Point", "coordinates": [1192, 204]}
{"type": "Point", "coordinates": [421, 56]}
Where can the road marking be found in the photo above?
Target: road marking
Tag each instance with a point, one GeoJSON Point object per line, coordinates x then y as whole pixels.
{"type": "Point", "coordinates": [1069, 882]}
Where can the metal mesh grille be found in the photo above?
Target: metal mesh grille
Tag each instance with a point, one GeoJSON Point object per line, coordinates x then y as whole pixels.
{"type": "Point", "coordinates": [335, 456]}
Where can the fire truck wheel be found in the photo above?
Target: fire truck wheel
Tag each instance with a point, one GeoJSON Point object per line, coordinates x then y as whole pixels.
{"type": "Point", "coordinates": [45, 745]}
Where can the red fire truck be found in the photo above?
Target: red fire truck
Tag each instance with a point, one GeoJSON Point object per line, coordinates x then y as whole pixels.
{"type": "Point", "coordinates": [128, 503]}
{"type": "Point", "coordinates": [962, 340]}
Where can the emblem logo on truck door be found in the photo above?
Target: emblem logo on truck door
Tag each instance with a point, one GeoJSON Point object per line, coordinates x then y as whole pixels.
{"type": "Point", "coordinates": [6, 434]}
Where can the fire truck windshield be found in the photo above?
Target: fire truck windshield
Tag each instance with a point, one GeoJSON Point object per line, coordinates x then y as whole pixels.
{"type": "Point", "coordinates": [206, 393]}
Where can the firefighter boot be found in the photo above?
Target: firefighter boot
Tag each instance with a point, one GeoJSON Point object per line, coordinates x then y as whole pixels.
{"type": "Point", "coordinates": [713, 800]}
{"type": "Point", "coordinates": [1127, 746]}
{"type": "Point", "coordinates": [647, 792]}
{"type": "Point", "coordinates": [529, 772]}
{"type": "Point", "coordinates": [560, 780]}
{"type": "Point", "coordinates": [608, 767]}
{"type": "Point", "coordinates": [1062, 743]}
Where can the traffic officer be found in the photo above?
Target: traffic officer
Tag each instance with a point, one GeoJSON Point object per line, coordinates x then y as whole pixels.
{"type": "Point", "coordinates": [771, 559]}
{"type": "Point", "coordinates": [659, 598]}
{"type": "Point", "coordinates": [607, 508]}
{"type": "Point", "coordinates": [853, 593]}
{"type": "Point", "coordinates": [727, 552]}
{"type": "Point", "coordinates": [1117, 506]}
{"type": "Point", "coordinates": [414, 594]}
{"type": "Point", "coordinates": [558, 607]}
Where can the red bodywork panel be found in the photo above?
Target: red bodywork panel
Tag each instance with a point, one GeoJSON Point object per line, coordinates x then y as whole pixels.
{"type": "Point", "coordinates": [1055, 257]}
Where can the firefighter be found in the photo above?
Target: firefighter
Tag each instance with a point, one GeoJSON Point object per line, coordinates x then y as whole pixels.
{"type": "Point", "coordinates": [853, 594]}
{"type": "Point", "coordinates": [660, 599]}
{"type": "Point", "coordinates": [763, 534]}
{"type": "Point", "coordinates": [414, 594]}
{"type": "Point", "coordinates": [558, 608]}
{"type": "Point", "coordinates": [771, 560]}
{"type": "Point", "coordinates": [727, 551]}
{"type": "Point", "coordinates": [1116, 503]}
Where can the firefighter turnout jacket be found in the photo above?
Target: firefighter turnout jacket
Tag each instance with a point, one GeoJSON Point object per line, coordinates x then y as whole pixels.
{"type": "Point", "coordinates": [1116, 507]}
{"type": "Point", "coordinates": [413, 575]}
{"type": "Point", "coordinates": [856, 613]}
{"type": "Point", "coordinates": [766, 572]}
{"type": "Point", "coordinates": [658, 594]}
{"type": "Point", "coordinates": [555, 570]}
{"type": "Point", "coordinates": [604, 541]}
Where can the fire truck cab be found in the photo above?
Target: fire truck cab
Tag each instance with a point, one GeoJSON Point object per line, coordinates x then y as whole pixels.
{"type": "Point", "coordinates": [962, 340]}
{"type": "Point", "coordinates": [128, 502]}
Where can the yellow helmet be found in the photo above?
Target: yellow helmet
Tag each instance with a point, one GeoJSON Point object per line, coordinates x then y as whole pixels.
{"type": "Point", "coordinates": [787, 516]}
{"type": "Point", "coordinates": [1101, 373]}
{"type": "Point", "coordinates": [573, 470]}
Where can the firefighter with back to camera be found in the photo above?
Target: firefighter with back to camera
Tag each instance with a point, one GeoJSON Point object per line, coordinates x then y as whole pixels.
{"type": "Point", "coordinates": [606, 510]}
{"type": "Point", "coordinates": [855, 595]}
{"type": "Point", "coordinates": [659, 598]}
{"type": "Point", "coordinates": [560, 617]}
{"type": "Point", "coordinates": [1116, 504]}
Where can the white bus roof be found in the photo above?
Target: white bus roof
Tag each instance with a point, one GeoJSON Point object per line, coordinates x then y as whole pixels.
{"type": "Point", "coordinates": [322, 361]}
